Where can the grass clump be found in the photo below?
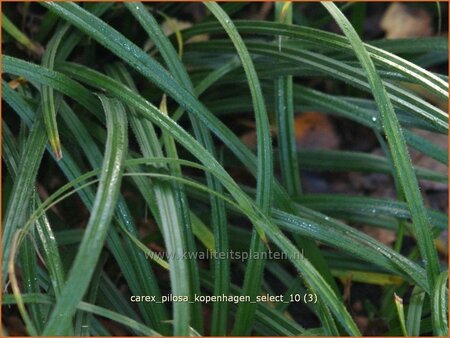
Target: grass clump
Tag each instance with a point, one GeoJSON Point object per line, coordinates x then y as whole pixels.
{"type": "Point", "coordinates": [126, 162]}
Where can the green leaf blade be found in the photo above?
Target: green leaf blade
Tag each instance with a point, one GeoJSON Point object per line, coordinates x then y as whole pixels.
{"type": "Point", "coordinates": [106, 198]}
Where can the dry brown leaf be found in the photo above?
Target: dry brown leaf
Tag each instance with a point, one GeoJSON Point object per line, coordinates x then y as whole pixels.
{"type": "Point", "coordinates": [265, 10]}
{"type": "Point", "coordinates": [384, 236]}
{"type": "Point", "coordinates": [362, 322]}
{"type": "Point", "coordinates": [314, 130]}
{"type": "Point", "coordinates": [249, 139]}
{"type": "Point", "coordinates": [402, 21]}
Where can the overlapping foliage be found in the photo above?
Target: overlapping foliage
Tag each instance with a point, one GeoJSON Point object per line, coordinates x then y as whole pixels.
{"type": "Point", "coordinates": [94, 80]}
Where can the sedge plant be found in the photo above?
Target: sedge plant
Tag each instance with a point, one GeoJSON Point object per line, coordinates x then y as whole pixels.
{"type": "Point", "coordinates": [120, 143]}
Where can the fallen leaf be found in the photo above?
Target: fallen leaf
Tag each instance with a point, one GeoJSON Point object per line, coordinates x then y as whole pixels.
{"type": "Point", "coordinates": [362, 322]}
{"type": "Point", "coordinates": [265, 10]}
{"type": "Point", "coordinates": [314, 130]}
{"type": "Point", "coordinates": [403, 21]}
{"type": "Point", "coordinates": [384, 236]}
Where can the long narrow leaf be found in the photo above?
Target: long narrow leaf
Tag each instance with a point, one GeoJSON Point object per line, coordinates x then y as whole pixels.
{"type": "Point", "coordinates": [90, 248]}
{"type": "Point", "coordinates": [439, 306]}
{"type": "Point", "coordinates": [427, 79]}
{"type": "Point", "coordinates": [48, 99]}
{"type": "Point", "coordinates": [255, 268]}
{"type": "Point", "coordinates": [22, 191]}
{"type": "Point", "coordinates": [414, 316]}
{"type": "Point", "coordinates": [398, 148]}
